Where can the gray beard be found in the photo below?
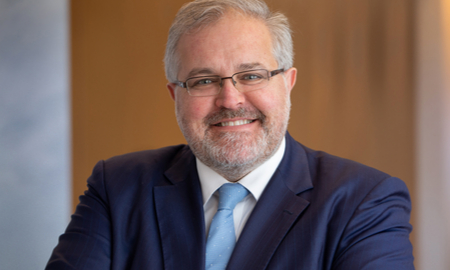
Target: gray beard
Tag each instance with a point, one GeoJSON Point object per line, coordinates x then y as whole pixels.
{"type": "Point", "coordinates": [235, 154]}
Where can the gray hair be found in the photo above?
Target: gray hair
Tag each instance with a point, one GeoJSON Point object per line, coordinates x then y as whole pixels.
{"type": "Point", "coordinates": [200, 13]}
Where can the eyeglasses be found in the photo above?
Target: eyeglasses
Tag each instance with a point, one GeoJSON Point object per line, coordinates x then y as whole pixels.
{"type": "Point", "coordinates": [245, 81]}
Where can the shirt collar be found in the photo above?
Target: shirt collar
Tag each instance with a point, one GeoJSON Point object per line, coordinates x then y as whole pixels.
{"type": "Point", "coordinates": [255, 181]}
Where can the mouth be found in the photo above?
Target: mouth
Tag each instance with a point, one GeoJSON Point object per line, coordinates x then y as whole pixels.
{"type": "Point", "coordinates": [234, 123]}
{"type": "Point", "coordinates": [233, 118]}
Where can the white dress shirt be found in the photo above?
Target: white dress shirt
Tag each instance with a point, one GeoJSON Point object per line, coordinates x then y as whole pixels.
{"type": "Point", "coordinates": [255, 182]}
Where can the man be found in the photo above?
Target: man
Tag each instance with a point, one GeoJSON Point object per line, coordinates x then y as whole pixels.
{"type": "Point", "coordinates": [229, 66]}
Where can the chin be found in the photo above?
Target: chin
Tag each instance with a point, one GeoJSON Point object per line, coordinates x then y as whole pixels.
{"type": "Point", "coordinates": [235, 154]}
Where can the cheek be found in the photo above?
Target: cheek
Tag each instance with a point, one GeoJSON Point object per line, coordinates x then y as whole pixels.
{"type": "Point", "coordinates": [193, 110]}
{"type": "Point", "coordinates": [268, 101]}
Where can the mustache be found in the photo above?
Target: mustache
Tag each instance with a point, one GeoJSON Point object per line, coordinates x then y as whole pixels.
{"type": "Point", "coordinates": [224, 113]}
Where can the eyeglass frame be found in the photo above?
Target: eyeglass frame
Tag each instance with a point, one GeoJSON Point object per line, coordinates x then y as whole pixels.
{"type": "Point", "coordinates": [270, 73]}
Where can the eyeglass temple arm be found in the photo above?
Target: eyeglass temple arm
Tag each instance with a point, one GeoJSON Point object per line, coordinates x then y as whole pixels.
{"type": "Point", "coordinates": [181, 84]}
{"type": "Point", "coordinates": [275, 72]}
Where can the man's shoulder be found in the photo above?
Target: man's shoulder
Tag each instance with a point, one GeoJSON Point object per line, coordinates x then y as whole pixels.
{"type": "Point", "coordinates": [147, 161]}
{"type": "Point", "coordinates": [331, 173]}
{"type": "Point", "coordinates": [150, 156]}
{"type": "Point", "coordinates": [335, 179]}
{"type": "Point", "coordinates": [129, 173]}
{"type": "Point", "coordinates": [323, 162]}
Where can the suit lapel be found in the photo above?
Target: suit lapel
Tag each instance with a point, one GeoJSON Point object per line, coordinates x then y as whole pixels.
{"type": "Point", "coordinates": [276, 211]}
{"type": "Point", "coordinates": [180, 216]}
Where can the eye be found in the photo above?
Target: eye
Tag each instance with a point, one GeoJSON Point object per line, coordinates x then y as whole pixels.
{"type": "Point", "coordinates": [204, 81]}
{"type": "Point", "coordinates": [201, 82]}
{"type": "Point", "coordinates": [251, 77]}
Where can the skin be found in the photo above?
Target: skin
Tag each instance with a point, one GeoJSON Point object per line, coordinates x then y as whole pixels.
{"type": "Point", "coordinates": [232, 44]}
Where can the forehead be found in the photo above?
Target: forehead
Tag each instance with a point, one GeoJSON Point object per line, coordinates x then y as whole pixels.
{"type": "Point", "coordinates": [232, 43]}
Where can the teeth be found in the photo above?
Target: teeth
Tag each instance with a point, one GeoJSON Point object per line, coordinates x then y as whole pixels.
{"type": "Point", "coordinates": [235, 123]}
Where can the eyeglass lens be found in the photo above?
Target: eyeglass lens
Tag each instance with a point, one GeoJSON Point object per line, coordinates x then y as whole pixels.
{"type": "Point", "coordinates": [244, 81]}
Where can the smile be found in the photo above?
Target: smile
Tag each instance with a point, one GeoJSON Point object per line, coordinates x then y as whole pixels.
{"type": "Point", "coordinates": [234, 123]}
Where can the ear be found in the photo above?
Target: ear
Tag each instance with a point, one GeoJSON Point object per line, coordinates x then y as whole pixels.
{"type": "Point", "coordinates": [290, 78]}
{"type": "Point", "coordinates": [171, 87]}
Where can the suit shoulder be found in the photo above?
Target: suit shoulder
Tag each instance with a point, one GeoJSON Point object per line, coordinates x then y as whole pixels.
{"type": "Point", "coordinates": [333, 174]}
{"type": "Point", "coordinates": [324, 163]}
{"type": "Point", "coordinates": [317, 169]}
{"type": "Point", "coordinates": [147, 162]}
{"type": "Point", "coordinates": [338, 179]}
{"type": "Point", "coordinates": [154, 156]}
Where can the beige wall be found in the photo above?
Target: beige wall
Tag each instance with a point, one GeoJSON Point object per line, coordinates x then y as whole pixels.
{"type": "Point", "coordinates": [354, 95]}
{"type": "Point", "coordinates": [119, 99]}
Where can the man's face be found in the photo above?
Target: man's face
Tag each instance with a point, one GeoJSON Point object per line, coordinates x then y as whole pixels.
{"type": "Point", "coordinates": [232, 130]}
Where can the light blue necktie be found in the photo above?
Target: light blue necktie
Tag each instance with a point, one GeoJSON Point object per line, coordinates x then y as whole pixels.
{"type": "Point", "coordinates": [222, 237]}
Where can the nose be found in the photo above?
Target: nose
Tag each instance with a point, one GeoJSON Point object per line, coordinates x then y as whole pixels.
{"type": "Point", "coordinates": [229, 97]}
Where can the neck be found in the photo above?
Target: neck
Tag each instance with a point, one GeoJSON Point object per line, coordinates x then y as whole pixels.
{"type": "Point", "coordinates": [235, 172]}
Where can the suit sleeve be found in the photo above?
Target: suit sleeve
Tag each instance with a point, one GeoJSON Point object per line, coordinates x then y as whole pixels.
{"type": "Point", "coordinates": [86, 243]}
{"type": "Point", "coordinates": [377, 235]}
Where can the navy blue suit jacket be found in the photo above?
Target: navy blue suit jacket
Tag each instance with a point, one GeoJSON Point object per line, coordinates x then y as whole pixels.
{"type": "Point", "coordinates": [145, 211]}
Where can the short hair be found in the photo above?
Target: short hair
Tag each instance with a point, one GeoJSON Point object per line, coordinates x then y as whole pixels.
{"type": "Point", "coordinates": [201, 13]}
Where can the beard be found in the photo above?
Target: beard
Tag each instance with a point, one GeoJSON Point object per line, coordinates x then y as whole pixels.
{"type": "Point", "coordinates": [234, 154]}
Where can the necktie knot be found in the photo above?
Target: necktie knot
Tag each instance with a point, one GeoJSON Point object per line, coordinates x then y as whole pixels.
{"type": "Point", "coordinates": [230, 194]}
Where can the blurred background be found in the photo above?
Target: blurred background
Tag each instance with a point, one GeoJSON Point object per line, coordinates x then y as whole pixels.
{"type": "Point", "coordinates": [83, 80]}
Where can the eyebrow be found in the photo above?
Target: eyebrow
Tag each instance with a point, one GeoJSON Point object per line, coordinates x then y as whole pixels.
{"type": "Point", "coordinates": [196, 71]}
{"type": "Point", "coordinates": [247, 66]}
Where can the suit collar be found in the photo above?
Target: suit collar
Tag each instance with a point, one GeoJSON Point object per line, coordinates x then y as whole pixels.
{"type": "Point", "coordinates": [294, 168]}
{"type": "Point", "coordinates": [182, 163]}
